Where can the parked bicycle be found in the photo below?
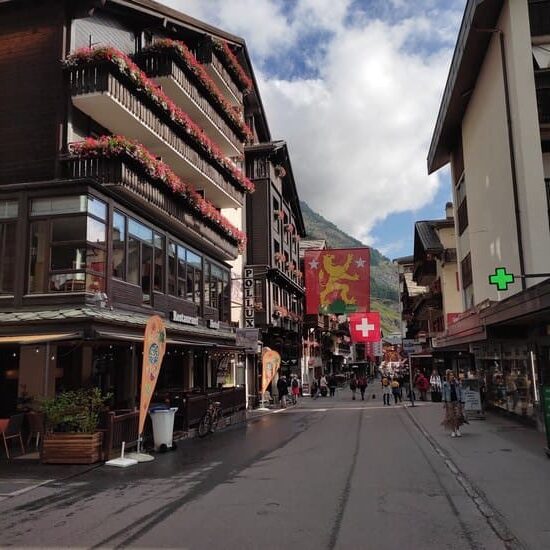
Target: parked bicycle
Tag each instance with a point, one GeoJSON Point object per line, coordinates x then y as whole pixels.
{"type": "Point", "coordinates": [212, 416]}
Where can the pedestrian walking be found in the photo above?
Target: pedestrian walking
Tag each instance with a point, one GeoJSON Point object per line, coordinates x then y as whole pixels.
{"type": "Point", "coordinates": [395, 389]}
{"type": "Point", "coordinates": [353, 387]}
{"type": "Point", "coordinates": [386, 390]}
{"type": "Point", "coordinates": [332, 383]}
{"type": "Point", "coordinates": [282, 388]}
{"type": "Point", "coordinates": [323, 386]}
{"type": "Point", "coordinates": [314, 389]}
{"type": "Point", "coordinates": [362, 385]}
{"type": "Point", "coordinates": [453, 398]}
{"type": "Point", "coordinates": [295, 389]}
{"type": "Point", "coordinates": [435, 386]}
{"type": "Point", "coordinates": [422, 384]}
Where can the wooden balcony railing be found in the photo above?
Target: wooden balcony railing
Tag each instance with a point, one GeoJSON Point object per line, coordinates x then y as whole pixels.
{"type": "Point", "coordinates": [158, 64]}
{"type": "Point", "coordinates": [129, 179]}
{"type": "Point", "coordinates": [224, 74]}
{"type": "Point", "coordinates": [103, 78]}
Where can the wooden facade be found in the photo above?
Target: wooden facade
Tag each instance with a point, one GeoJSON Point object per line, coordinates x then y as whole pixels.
{"type": "Point", "coordinates": [52, 275]}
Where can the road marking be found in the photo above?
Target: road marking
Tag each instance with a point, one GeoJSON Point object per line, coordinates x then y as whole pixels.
{"type": "Point", "coordinates": [25, 489]}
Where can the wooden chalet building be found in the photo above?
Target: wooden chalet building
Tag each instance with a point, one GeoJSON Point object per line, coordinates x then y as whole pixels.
{"type": "Point", "coordinates": [274, 227]}
{"type": "Point", "coordinates": [122, 195]}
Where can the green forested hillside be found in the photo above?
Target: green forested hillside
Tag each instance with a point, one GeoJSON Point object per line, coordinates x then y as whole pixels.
{"type": "Point", "coordinates": [384, 280]}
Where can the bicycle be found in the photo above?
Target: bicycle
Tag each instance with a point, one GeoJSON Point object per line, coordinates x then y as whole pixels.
{"type": "Point", "coordinates": [209, 421]}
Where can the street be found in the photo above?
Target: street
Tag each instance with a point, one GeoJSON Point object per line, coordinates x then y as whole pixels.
{"type": "Point", "coordinates": [326, 474]}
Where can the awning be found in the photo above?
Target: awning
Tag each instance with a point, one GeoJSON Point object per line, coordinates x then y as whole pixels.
{"type": "Point", "coordinates": [420, 355]}
{"type": "Point", "coordinates": [130, 337]}
{"type": "Point", "coordinates": [39, 338]}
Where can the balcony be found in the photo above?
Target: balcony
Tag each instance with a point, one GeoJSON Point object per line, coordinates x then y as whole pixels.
{"type": "Point", "coordinates": [180, 83]}
{"type": "Point", "coordinates": [113, 100]}
{"type": "Point", "coordinates": [213, 56]}
{"type": "Point", "coordinates": [425, 272]}
{"type": "Point", "coordinates": [128, 180]}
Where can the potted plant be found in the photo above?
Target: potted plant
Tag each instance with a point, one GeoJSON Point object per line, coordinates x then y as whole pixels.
{"type": "Point", "coordinates": [72, 420]}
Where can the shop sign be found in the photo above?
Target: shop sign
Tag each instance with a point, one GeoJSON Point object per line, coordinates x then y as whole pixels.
{"type": "Point", "coordinates": [248, 284]}
{"type": "Point", "coordinates": [183, 319]}
{"type": "Point", "coordinates": [472, 397]}
{"type": "Point", "coordinates": [412, 345]}
{"type": "Point", "coordinates": [247, 338]}
{"type": "Point", "coordinates": [213, 324]}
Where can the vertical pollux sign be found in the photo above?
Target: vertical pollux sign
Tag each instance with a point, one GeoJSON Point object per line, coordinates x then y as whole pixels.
{"type": "Point", "coordinates": [154, 345]}
{"type": "Point", "coordinates": [248, 297]}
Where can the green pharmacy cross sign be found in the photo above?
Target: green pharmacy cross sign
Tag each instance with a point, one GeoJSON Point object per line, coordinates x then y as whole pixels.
{"type": "Point", "coordinates": [501, 278]}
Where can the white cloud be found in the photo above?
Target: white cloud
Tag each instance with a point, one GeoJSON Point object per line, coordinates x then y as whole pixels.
{"type": "Point", "coordinates": [359, 132]}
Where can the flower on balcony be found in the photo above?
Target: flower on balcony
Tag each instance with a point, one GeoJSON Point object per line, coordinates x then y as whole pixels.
{"type": "Point", "coordinates": [127, 67]}
{"type": "Point", "coordinates": [279, 257]}
{"type": "Point", "coordinates": [280, 171]}
{"type": "Point", "coordinates": [291, 266]}
{"type": "Point", "coordinates": [278, 215]}
{"type": "Point", "coordinates": [299, 274]}
{"type": "Point", "coordinates": [296, 238]}
{"type": "Point", "coordinates": [120, 146]}
{"type": "Point", "coordinates": [233, 65]}
{"type": "Point", "coordinates": [289, 228]}
{"type": "Point", "coordinates": [191, 62]}
{"type": "Point", "coordinates": [280, 311]}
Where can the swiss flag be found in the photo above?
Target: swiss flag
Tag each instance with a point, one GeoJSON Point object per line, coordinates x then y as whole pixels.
{"type": "Point", "coordinates": [364, 327]}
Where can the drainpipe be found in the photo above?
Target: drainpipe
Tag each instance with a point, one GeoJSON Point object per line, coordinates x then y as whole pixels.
{"type": "Point", "coordinates": [513, 166]}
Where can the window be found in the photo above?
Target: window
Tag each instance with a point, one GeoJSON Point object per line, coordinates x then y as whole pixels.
{"type": "Point", "coordinates": [462, 206]}
{"type": "Point", "coordinates": [119, 246]}
{"type": "Point", "coordinates": [466, 268]}
{"type": "Point", "coordinates": [276, 210]}
{"type": "Point", "coordinates": [172, 269]}
{"type": "Point", "coordinates": [67, 250]}
{"type": "Point", "coordinates": [141, 258]}
{"type": "Point", "coordinates": [182, 275]}
{"type": "Point", "coordinates": [158, 279]}
{"type": "Point", "coordinates": [8, 209]}
{"type": "Point", "coordinates": [194, 277]}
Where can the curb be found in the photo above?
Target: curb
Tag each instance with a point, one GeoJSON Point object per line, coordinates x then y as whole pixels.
{"type": "Point", "coordinates": [493, 518]}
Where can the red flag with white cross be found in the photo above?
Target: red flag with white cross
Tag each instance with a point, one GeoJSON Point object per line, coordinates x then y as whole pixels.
{"type": "Point", "coordinates": [364, 327]}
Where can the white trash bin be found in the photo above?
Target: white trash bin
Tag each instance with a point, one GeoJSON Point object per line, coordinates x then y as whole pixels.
{"type": "Point", "coordinates": [163, 427]}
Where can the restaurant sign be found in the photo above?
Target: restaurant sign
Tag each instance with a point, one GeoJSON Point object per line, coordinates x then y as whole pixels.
{"type": "Point", "coordinates": [183, 319]}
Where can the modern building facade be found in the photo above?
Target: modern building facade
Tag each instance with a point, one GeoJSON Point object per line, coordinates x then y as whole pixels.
{"type": "Point", "coordinates": [123, 194]}
{"type": "Point", "coordinates": [492, 129]}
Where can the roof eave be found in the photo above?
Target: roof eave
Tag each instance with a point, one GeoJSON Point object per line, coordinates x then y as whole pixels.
{"type": "Point", "coordinates": [467, 58]}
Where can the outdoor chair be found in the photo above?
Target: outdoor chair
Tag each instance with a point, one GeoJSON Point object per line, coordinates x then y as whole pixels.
{"type": "Point", "coordinates": [35, 422]}
{"type": "Point", "coordinates": [10, 428]}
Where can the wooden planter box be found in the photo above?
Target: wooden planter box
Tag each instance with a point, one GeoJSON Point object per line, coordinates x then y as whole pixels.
{"type": "Point", "coordinates": [71, 448]}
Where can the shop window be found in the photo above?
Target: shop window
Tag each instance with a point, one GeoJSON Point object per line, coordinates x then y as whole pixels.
{"type": "Point", "coordinates": [133, 260]}
{"type": "Point", "coordinates": [194, 277]}
{"type": "Point", "coordinates": [146, 270]}
{"type": "Point", "coordinates": [209, 292]}
{"type": "Point", "coordinates": [8, 209]}
{"type": "Point", "coordinates": [67, 250]}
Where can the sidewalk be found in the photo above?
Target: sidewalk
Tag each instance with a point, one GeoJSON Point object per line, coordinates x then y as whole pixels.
{"type": "Point", "coordinates": [505, 462]}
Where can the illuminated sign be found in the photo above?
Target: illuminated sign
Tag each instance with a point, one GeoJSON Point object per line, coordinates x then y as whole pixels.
{"type": "Point", "coordinates": [501, 278]}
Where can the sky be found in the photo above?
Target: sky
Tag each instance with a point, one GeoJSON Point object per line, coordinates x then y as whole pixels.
{"type": "Point", "coordinates": [354, 87]}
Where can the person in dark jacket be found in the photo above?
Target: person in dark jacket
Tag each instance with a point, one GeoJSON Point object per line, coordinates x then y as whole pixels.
{"type": "Point", "coordinates": [282, 388]}
{"type": "Point", "coordinates": [362, 385]}
{"type": "Point", "coordinates": [332, 383]}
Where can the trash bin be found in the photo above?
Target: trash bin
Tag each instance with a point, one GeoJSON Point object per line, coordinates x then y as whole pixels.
{"type": "Point", "coordinates": [163, 427]}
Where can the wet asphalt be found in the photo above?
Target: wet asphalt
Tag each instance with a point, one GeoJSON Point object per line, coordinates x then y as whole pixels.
{"type": "Point", "coordinates": [327, 474]}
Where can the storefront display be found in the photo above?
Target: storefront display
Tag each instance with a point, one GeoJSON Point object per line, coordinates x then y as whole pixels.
{"type": "Point", "coordinates": [508, 372]}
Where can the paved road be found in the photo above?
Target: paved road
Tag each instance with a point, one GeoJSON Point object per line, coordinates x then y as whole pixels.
{"type": "Point", "coordinates": [328, 474]}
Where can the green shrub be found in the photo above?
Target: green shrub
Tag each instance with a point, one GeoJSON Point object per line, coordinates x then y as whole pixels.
{"type": "Point", "coordinates": [75, 411]}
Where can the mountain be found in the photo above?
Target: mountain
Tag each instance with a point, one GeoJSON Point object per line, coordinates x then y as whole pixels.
{"type": "Point", "coordinates": [384, 278]}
